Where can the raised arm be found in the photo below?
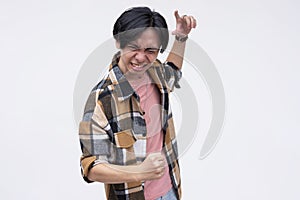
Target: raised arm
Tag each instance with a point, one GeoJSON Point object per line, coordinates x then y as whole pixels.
{"type": "Point", "coordinates": [184, 25]}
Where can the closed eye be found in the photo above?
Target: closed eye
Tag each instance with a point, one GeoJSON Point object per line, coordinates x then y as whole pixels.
{"type": "Point", "coordinates": [133, 47]}
{"type": "Point", "coordinates": [151, 50]}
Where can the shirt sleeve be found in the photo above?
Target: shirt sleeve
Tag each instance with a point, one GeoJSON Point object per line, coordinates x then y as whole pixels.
{"type": "Point", "coordinates": [94, 140]}
{"type": "Point", "coordinates": [172, 75]}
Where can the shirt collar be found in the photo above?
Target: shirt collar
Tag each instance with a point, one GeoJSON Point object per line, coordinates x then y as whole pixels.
{"type": "Point", "coordinates": [121, 85]}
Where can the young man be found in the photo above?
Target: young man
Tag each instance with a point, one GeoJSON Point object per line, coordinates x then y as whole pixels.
{"type": "Point", "coordinates": [127, 134]}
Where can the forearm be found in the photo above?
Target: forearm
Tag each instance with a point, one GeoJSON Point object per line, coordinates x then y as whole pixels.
{"type": "Point", "coordinates": [111, 174]}
{"type": "Point", "coordinates": [151, 168]}
{"type": "Point", "coordinates": [177, 53]}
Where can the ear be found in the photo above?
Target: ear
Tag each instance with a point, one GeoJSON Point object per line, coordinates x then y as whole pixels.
{"type": "Point", "coordinates": [117, 44]}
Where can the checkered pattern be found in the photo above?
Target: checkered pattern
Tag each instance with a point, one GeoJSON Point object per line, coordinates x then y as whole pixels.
{"type": "Point", "coordinates": [113, 129]}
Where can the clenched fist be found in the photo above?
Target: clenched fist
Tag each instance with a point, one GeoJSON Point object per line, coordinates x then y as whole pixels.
{"type": "Point", "coordinates": [152, 167]}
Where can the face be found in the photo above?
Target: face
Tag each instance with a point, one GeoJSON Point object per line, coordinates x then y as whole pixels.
{"type": "Point", "coordinates": [138, 55]}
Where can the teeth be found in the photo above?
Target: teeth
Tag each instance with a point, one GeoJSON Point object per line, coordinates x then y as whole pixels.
{"type": "Point", "coordinates": [135, 65]}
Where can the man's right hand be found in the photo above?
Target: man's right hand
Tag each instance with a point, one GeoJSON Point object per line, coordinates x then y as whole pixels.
{"type": "Point", "coordinates": [153, 167]}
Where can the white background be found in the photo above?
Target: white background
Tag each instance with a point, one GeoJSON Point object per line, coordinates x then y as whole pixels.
{"type": "Point", "coordinates": [254, 45]}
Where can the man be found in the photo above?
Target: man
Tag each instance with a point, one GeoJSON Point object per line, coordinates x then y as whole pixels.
{"type": "Point", "coordinates": [127, 134]}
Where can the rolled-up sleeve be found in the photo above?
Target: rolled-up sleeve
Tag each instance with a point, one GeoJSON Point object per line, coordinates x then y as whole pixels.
{"type": "Point", "coordinates": [94, 140]}
{"type": "Point", "coordinates": [172, 75]}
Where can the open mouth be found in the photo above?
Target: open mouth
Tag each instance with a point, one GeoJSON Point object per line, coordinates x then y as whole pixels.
{"type": "Point", "coordinates": [138, 67]}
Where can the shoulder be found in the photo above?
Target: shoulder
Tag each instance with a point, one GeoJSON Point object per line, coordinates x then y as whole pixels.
{"type": "Point", "coordinates": [158, 66]}
{"type": "Point", "coordinates": [157, 63]}
{"type": "Point", "coordinates": [103, 88]}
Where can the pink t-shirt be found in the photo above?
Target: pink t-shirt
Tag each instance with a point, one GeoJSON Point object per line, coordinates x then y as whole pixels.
{"type": "Point", "coordinates": [150, 103]}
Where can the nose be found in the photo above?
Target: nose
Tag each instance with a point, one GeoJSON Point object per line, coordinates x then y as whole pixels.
{"type": "Point", "coordinates": [140, 56]}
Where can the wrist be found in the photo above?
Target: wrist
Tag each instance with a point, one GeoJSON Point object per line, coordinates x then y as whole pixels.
{"type": "Point", "coordinates": [139, 175]}
{"type": "Point", "coordinates": [181, 38]}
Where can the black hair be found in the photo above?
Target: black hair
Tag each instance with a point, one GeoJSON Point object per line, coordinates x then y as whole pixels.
{"type": "Point", "coordinates": [136, 20]}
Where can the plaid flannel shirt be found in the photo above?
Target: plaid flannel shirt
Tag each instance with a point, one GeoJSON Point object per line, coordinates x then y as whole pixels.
{"type": "Point", "coordinates": [113, 129]}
